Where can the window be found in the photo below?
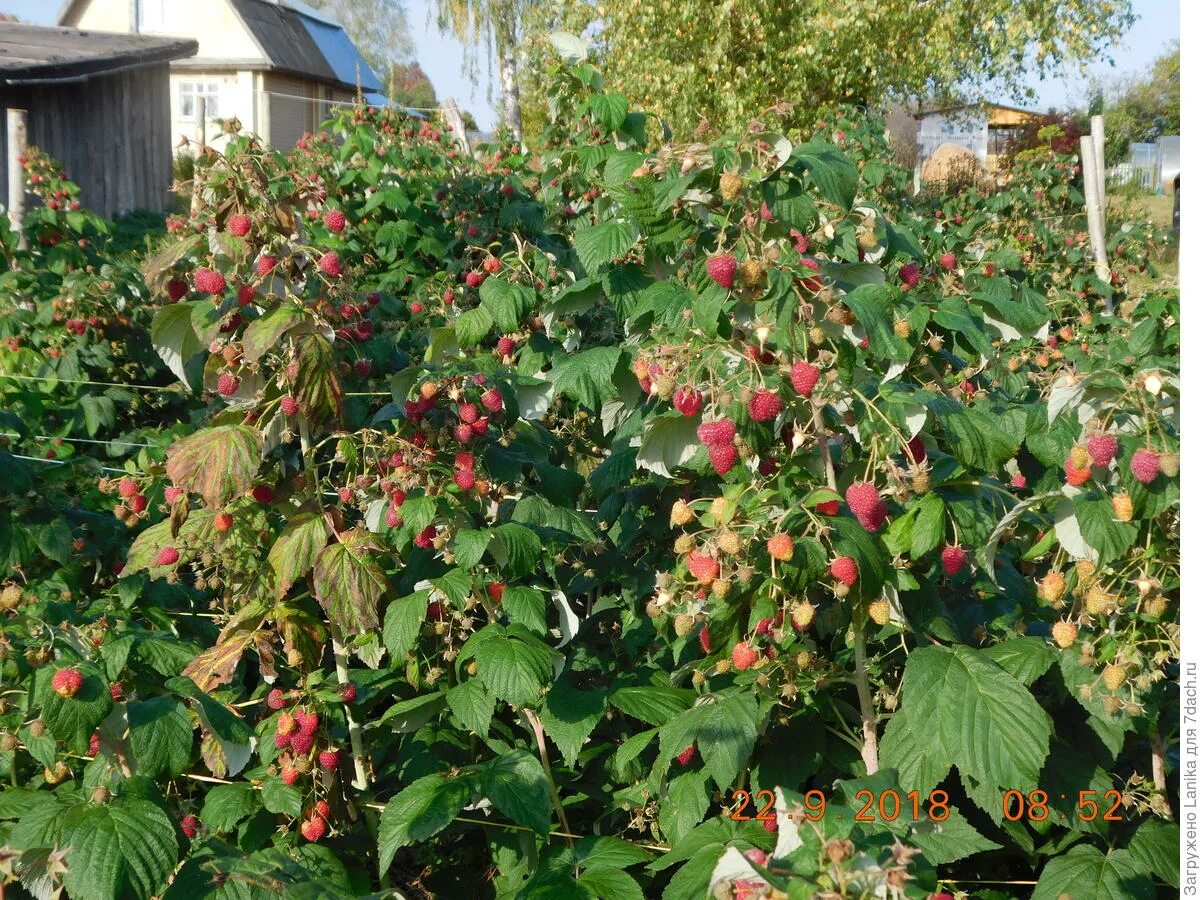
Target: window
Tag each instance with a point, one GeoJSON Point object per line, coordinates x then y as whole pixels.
{"type": "Point", "coordinates": [152, 15]}
{"type": "Point", "coordinates": [190, 91]}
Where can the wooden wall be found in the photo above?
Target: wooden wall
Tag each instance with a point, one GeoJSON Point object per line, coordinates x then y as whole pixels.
{"type": "Point", "coordinates": [112, 134]}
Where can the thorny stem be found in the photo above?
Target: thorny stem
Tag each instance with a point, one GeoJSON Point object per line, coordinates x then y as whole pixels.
{"type": "Point", "coordinates": [339, 650]}
{"type": "Point", "coordinates": [1158, 765]}
{"type": "Point", "coordinates": [540, 735]}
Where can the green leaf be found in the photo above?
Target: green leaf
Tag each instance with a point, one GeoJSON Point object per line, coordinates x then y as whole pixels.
{"type": "Point", "coordinates": [469, 546]}
{"type": "Point", "coordinates": [973, 435]}
{"type": "Point", "coordinates": [587, 377]}
{"type": "Point", "coordinates": [611, 884]}
{"type": "Point", "coordinates": [348, 582]}
{"type": "Point", "coordinates": [295, 550]}
{"type": "Point", "coordinates": [407, 716]}
{"type": "Point", "coordinates": [543, 516]}
{"type": "Point", "coordinates": [835, 176]}
{"type": "Point", "coordinates": [160, 736]}
{"type": "Point", "coordinates": [953, 314]}
{"type": "Point", "coordinates": [217, 463]}
{"type": "Point", "coordinates": [872, 304]}
{"type": "Point", "coordinates": [604, 852]}
{"type": "Point", "coordinates": [507, 303]}
{"type": "Point", "coordinates": [668, 443]}
{"type": "Point", "coordinates": [402, 623]}
{"type": "Point", "coordinates": [227, 804]}
{"type": "Point", "coordinates": [513, 669]}
{"type": "Point", "coordinates": [724, 726]}
{"type": "Point", "coordinates": [124, 849]}
{"type": "Point", "coordinates": [948, 841]}
{"type": "Point", "coordinates": [569, 715]}
{"type": "Point", "coordinates": [1086, 872]}
{"type": "Point", "coordinates": [73, 719]}
{"type": "Point", "coordinates": [282, 799]}
{"type": "Point", "coordinates": [516, 548]}
{"type": "Point", "coordinates": [631, 748]}
{"type": "Point", "coordinates": [921, 763]}
{"type": "Point", "coordinates": [986, 721]}
{"type": "Point", "coordinates": [262, 335]}
{"type": "Point", "coordinates": [517, 784]}
{"type": "Point", "coordinates": [317, 386]}
{"type": "Point", "coordinates": [215, 715]}
{"type": "Point", "coordinates": [653, 705]}
{"type": "Point", "coordinates": [598, 245]}
{"type": "Point", "coordinates": [473, 326]}
{"type": "Point", "coordinates": [174, 339]}
{"type": "Point", "coordinates": [420, 811]}
{"type": "Point", "coordinates": [1024, 658]}
{"type": "Point", "coordinates": [929, 527]}
{"type": "Point", "coordinates": [1108, 537]}
{"type": "Point", "coordinates": [609, 109]}
{"type": "Point", "coordinates": [473, 705]}
{"type": "Point", "coordinates": [688, 799]}
{"type": "Point", "coordinates": [526, 606]}
{"type": "Point", "coordinates": [1155, 849]}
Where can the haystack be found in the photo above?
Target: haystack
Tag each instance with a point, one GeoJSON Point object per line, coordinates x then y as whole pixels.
{"type": "Point", "coordinates": [952, 168]}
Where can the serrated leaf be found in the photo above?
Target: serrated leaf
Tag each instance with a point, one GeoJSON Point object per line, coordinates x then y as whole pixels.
{"type": "Point", "coordinates": [295, 550]}
{"type": "Point", "coordinates": [668, 443]}
{"type": "Point", "coordinates": [73, 719]}
{"type": "Point", "coordinates": [282, 799]}
{"type": "Point", "coordinates": [348, 582]}
{"type": "Point", "coordinates": [517, 785]}
{"type": "Point", "coordinates": [513, 669]}
{"type": "Point", "coordinates": [929, 526]}
{"type": "Point", "coordinates": [1084, 871]}
{"type": "Point", "coordinates": [174, 339]}
{"type": "Point", "coordinates": [217, 665]}
{"type": "Point", "coordinates": [526, 606]}
{"type": "Point", "coordinates": [125, 849]}
{"type": "Point", "coordinates": [723, 726]}
{"type": "Point", "coordinates": [317, 386]}
{"type": "Point", "coordinates": [402, 623]}
{"type": "Point", "coordinates": [473, 705]}
{"type": "Point", "coordinates": [420, 811]}
{"type": "Point", "coordinates": [587, 377]}
{"type": "Point", "coordinates": [598, 245]}
{"type": "Point", "coordinates": [1110, 538]}
{"type": "Point", "coordinates": [507, 303]}
{"type": "Point", "coordinates": [609, 109]}
{"type": "Point", "coordinates": [160, 736]}
{"type": "Point", "coordinates": [835, 176]}
{"type": "Point", "coordinates": [217, 463]}
{"type": "Point", "coordinates": [516, 548]}
{"type": "Point", "coordinates": [1155, 849]}
{"type": "Point", "coordinates": [263, 334]}
{"type": "Point", "coordinates": [473, 326]}
{"type": "Point", "coordinates": [569, 715]}
{"type": "Point", "coordinates": [653, 705]}
{"type": "Point", "coordinates": [227, 804]}
{"type": "Point", "coordinates": [872, 305]}
{"type": "Point", "coordinates": [1024, 658]}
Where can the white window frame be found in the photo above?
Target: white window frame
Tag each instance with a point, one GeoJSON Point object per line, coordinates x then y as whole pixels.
{"type": "Point", "coordinates": [152, 16]}
{"type": "Point", "coordinates": [191, 90]}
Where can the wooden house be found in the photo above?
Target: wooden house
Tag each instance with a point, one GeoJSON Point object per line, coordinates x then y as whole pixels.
{"type": "Point", "coordinates": [99, 104]}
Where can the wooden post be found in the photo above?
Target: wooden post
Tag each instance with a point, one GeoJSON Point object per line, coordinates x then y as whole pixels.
{"type": "Point", "coordinates": [1101, 170]}
{"type": "Point", "coordinates": [201, 123]}
{"type": "Point", "coordinates": [455, 120]}
{"type": "Point", "coordinates": [16, 124]}
{"type": "Point", "coordinates": [1094, 218]}
{"type": "Point", "coordinates": [264, 120]}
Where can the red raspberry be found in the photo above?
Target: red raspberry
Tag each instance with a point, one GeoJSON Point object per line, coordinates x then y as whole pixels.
{"type": "Point", "coordinates": [1076, 476]}
{"type": "Point", "coordinates": [722, 269]}
{"type": "Point", "coordinates": [804, 378]}
{"type": "Point", "coordinates": [393, 518]}
{"type": "Point", "coordinates": [172, 494]}
{"type": "Point", "coordinates": [313, 829]}
{"type": "Point", "coordinates": [910, 274]}
{"type": "Point", "coordinates": [227, 384]}
{"type": "Point", "coordinates": [209, 281]}
{"type": "Point", "coordinates": [222, 521]}
{"type": "Point", "coordinates": [308, 722]}
{"type": "Point", "coordinates": [799, 241]}
{"type": "Point", "coordinates": [762, 626]}
{"type": "Point", "coordinates": [167, 556]}
{"type": "Point", "coordinates": [475, 279]}
{"type": "Point", "coordinates": [916, 447]}
{"type": "Point", "coordinates": [127, 487]}
{"type": "Point", "coordinates": [829, 507]}
{"type": "Point", "coordinates": [266, 265]}
{"type": "Point", "coordinates": [335, 221]}
{"type": "Point", "coordinates": [245, 295]}
{"type": "Point", "coordinates": [465, 479]}
{"type": "Point", "coordinates": [493, 401]}
{"type": "Point", "coordinates": [330, 264]}
{"type": "Point", "coordinates": [137, 502]}
{"type": "Point", "coordinates": [491, 265]}
{"type": "Point", "coordinates": [1144, 465]}
{"type": "Point", "coordinates": [719, 432]}
{"type": "Point", "coordinates": [953, 559]}
{"type": "Point", "coordinates": [744, 656]}
{"type": "Point", "coordinates": [328, 760]}
{"type": "Point", "coordinates": [781, 547]}
{"type": "Point", "coordinates": [469, 413]}
{"type": "Point", "coordinates": [424, 540]}
{"type": "Point", "coordinates": [282, 741]}
{"type": "Point", "coordinates": [765, 405]}
{"type": "Point", "coordinates": [505, 346]}
{"type": "Point", "coordinates": [117, 691]}
{"type": "Point", "coordinates": [863, 500]}
{"type": "Point", "coordinates": [190, 826]}
{"type": "Point", "coordinates": [275, 699]}
{"type": "Point", "coordinates": [706, 640]}
{"type": "Point", "coordinates": [302, 743]}
{"type": "Point", "coordinates": [239, 225]}
{"type": "Point", "coordinates": [67, 682]}
{"type": "Point", "coordinates": [435, 612]}
{"type": "Point", "coordinates": [362, 367]}
{"type": "Point", "coordinates": [289, 775]}
{"type": "Point", "coordinates": [322, 809]}
{"type": "Point", "coordinates": [1102, 448]}
{"type": "Point", "coordinates": [495, 590]}
{"type": "Point", "coordinates": [289, 406]}
{"type": "Point", "coordinates": [463, 433]}
{"type": "Point", "coordinates": [812, 285]}
{"type": "Point", "coordinates": [948, 260]}
{"type": "Point", "coordinates": [262, 493]}
{"type": "Point", "coordinates": [685, 758]}
{"type": "Point", "coordinates": [704, 568]}
{"type": "Point", "coordinates": [348, 693]}
{"type": "Point", "coordinates": [845, 570]}
{"type": "Point", "coordinates": [1019, 481]}
{"type": "Point", "coordinates": [723, 457]}
{"type": "Point", "coordinates": [176, 289]}
{"type": "Point", "coordinates": [688, 401]}
{"type": "Point", "coordinates": [94, 744]}
{"type": "Point", "coordinates": [756, 856]}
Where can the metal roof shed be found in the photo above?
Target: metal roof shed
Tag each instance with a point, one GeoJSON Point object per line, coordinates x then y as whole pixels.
{"type": "Point", "coordinates": [100, 104]}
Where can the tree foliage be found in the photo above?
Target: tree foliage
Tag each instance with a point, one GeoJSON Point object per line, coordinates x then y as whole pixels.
{"type": "Point", "coordinates": [379, 28]}
{"type": "Point", "coordinates": [1141, 108]}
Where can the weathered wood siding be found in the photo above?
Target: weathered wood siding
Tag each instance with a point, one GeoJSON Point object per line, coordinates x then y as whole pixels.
{"type": "Point", "coordinates": [112, 134]}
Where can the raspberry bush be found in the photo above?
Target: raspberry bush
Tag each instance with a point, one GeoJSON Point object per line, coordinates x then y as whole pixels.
{"type": "Point", "coordinates": [484, 524]}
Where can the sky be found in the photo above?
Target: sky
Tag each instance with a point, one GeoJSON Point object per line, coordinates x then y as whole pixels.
{"type": "Point", "coordinates": [443, 58]}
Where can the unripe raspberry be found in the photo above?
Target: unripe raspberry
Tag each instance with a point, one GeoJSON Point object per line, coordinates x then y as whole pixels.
{"type": "Point", "coordinates": [37, 728]}
{"type": "Point", "coordinates": [802, 615]}
{"type": "Point", "coordinates": [289, 774]}
{"type": "Point", "coordinates": [781, 547]}
{"type": "Point", "coordinates": [1052, 587]}
{"type": "Point", "coordinates": [67, 682]}
{"type": "Point", "coordinates": [1064, 634]}
{"type": "Point", "coordinates": [805, 660]}
{"type": "Point", "coordinates": [1144, 465]}
{"type": "Point", "coordinates": [902, 329]}
{"type": "Point", "coordinates": [730, 185]}
{"type": "Point", "coordinates": [681, 513]}
{"type": "Point", "coordinates": [1122, 505]}
{"type": "Point", "coordinates": [9, 742]}
{"type": "Point", "coordinates": [286, 724]}
{"type": "Point", "coordinates": [1114, 676]}
{"type": "Point", "coordinates": [1099, 602]}
{"type": "Point", "coordinates": [744, 656]}
{"type": "Point", "coordinates": [222, 521]}
{"type": "Point", "coordinates": [752, 273]}
{"type": "Point", "coordinates": [683, 624]}
{"type": "Point", "coordinates": [722, 666]}
{"type": "Point", "coordinates": [880, 612]}
{"type": "Point", "coordinates": [721, 588]}
{"type": "Point", "coordinates": [1168, 464]}
{"type": "Point", "coordinates": [1076, 476]}
{"type": "Point", "coordinates": [1079, 457]}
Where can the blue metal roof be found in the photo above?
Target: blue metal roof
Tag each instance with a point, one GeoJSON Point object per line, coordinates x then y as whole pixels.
{"type": "Point", "coordinates": [341, 54]}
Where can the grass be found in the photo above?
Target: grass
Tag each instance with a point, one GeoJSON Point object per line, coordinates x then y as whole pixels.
{"type": "Point", "coordinates": [1158, 209]}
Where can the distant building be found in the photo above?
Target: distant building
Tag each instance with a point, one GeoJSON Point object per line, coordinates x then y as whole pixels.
{"type": "Point", "coordinates": [99, 104]}
{"type": "Point", "coordinates": [988, 130]}
{"type": "Point", "coordinates": [278, 66]}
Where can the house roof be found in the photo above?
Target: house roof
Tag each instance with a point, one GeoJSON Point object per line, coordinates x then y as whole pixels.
{"type": "Point", "coordinates": [992, 107]}
{"type": "Point", "coordinates": [33, 53]}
